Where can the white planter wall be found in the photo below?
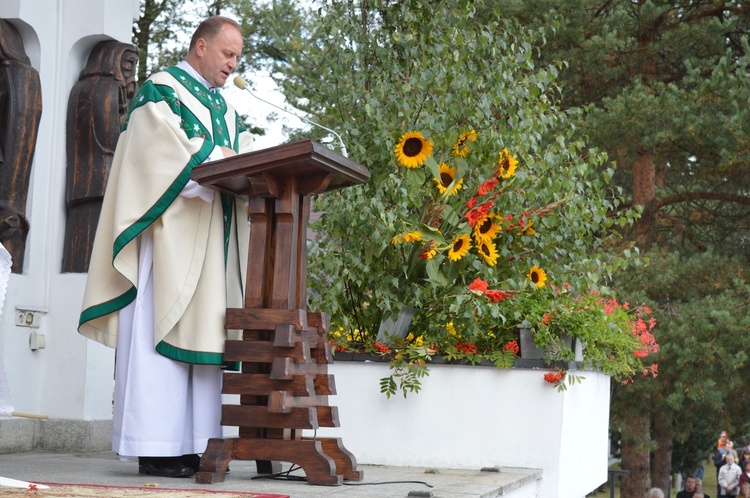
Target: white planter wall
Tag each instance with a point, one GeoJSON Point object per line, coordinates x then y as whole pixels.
{"type": "Point", "coordinates": [473, 417]}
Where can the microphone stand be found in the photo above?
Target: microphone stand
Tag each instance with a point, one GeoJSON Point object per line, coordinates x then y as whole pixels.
{"type": "Point", "coordinates": [242, 84]}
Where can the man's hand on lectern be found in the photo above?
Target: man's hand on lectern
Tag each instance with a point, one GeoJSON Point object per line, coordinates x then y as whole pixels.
{"type": "Point", "coordinates": [228, 152]}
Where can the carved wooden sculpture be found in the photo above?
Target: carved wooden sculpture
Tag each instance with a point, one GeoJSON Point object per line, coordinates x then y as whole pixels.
{"type": "Point", "coordinates": [20, 111]}
{"type": "Point", "coordinates": [284, 384]}
{"type": "Point", "coordinates": [97, 107]}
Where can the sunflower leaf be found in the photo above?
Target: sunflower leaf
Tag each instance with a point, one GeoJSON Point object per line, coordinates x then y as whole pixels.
{"type": "Point", "coordinates": [433, 167]}
{"type": "Point", "coordinates": [434, 274]}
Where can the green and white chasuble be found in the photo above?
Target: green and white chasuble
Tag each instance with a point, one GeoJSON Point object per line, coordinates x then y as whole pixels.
{"type": "Point", "coordinates": [199, 248]}
{"type": "Point", "coordinates": [168, 259]}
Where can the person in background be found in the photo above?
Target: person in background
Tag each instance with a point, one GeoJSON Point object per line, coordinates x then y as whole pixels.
{"type": "Point", "coordinates": [689, 489]}
{"type": "Point", "coordinates": [723, 438]}
{"type": "Point", "coordinates": [167, 259]}
{"type": "Point", "coordinates": [743, 458]}
{"type": "Point", "coordinates": [745, 476]}
{"type": "Point", "coordinates": [744, 490]}
{"type": "Point", "coordinates": [729, 478]}
{"type": "Point", "coordinates": [720, 460]}
{"type": "Point", "coordinates": [655, 493]}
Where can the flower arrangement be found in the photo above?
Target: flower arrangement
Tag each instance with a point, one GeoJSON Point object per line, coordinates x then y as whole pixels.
{"type": "Point", "coordinates": [603, 326]}
{"type": "Point", "coordinates": [480, 242]}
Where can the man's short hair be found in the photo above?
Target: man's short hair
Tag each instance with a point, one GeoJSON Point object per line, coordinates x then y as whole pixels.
{"type": "Point", "coordinates": [209, 28]}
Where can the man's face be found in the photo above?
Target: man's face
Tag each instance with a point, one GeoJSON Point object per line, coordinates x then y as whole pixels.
{"type": "Point", "coordinates": [217, 58]}
{"type": "Point", "coordinates": [690, 484]}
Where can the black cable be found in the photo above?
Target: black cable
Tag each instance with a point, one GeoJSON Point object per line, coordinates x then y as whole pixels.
{"type": "Point", "coordinates": [386, 482]}
{"type": "Point", "coordinates": [285, 476]}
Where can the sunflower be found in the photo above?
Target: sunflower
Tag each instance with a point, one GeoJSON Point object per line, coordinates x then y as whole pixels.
{"type": "Point", "coordinates": [507, 164]}
{"type": "Point", "coordinates": [447, 176]}
{"type": "Point", "coordinates": [488, 251]}
{"type": "Point", "coordinates": [485, 229]}
{"type": "Point", "coordinates": [459, 247]}
{"type": "Point", "coordinates": [460, 148]}
{"type": "Point", "coordinates": [537, 276]}
{"type": "Point", "coordinates": [412, 237]}
{"type": "Point", "coordinates": [413, 150]}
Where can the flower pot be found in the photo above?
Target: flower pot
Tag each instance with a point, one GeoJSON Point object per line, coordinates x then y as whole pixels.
{"type": "Point", "coordinates": [530, 351]}
{"type": "Point", "coordinates": [398, 327]}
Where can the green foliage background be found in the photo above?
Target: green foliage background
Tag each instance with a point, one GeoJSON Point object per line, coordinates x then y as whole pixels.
{"type": "Point", "coordinates": [664, 81]}
{"type": "Point", "coordinates": [378, 72]}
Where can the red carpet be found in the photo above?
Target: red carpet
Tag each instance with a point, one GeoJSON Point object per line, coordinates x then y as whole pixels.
{"type": "Point", "coordinates": [100, 491]}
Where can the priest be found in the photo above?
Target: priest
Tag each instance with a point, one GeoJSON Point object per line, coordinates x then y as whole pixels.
{"type": "Point", "coordinates": [168, 258]}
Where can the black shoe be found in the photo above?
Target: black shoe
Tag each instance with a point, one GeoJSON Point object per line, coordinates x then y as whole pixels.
{"type": "Point", "coordinates": [193, 461]}
{"type": "Point", "coordinates": [164, 467]}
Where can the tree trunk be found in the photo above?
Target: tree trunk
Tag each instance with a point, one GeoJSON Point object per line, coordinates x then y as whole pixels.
{"type": "Point", "coordinates": [636, 457]}
{"type": "Point", "coordinates": [644, 194]}
{"type": "Point", "coordinates": [663, 455]}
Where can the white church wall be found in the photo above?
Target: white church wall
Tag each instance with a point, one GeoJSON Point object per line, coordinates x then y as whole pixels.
{"type": "Point", "coordinates": [71, 378]}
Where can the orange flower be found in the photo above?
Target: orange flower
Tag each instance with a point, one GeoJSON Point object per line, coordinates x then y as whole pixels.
{"type": "Point", "coordinates": [382, 348]}
{"type": "Point", "coordinates": [512, 346]}
{"type": "Point", "coordinates": [554, 377]}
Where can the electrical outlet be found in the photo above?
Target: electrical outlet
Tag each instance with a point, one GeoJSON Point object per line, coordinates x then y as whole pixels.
{"type": "Point", "coordinates": [28, 318]}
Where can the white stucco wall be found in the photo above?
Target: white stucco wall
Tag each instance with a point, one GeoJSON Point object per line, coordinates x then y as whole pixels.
{"type": "Point", "coordinates": [72, 377]}
{"type": "Point", "coordinates": [473, 417]}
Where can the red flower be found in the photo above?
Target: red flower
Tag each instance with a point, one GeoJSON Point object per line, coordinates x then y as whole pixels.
{"type": "Point", "coordinates": [485, 207]}
{"type": "Point", "coordinates": [478, 286]}
{"type": "Point", "coordinates": [487, 186]}
{"type": "Point", "coordinates": [496, 296]}
{"type": "Point", "coordinates": [512, 346]}
{"type": "Point", "coordinates": [471, 202]}
{"type": "Point", "coordinates": [473, 216]}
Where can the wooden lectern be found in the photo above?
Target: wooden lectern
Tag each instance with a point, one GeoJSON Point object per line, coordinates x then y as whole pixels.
{"type": "Point", "coordinates": [284, 383]}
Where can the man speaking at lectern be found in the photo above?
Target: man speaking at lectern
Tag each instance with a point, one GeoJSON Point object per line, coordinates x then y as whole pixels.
{"type": "Point", "coordinates": [168, 258]}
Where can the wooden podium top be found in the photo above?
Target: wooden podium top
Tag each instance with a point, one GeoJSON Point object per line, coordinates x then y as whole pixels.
{"type": "Point", "coordinates": [316, 168]}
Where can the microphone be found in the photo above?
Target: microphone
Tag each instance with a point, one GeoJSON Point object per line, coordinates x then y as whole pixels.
{"type": "Point", "coordinates": [241, 83]}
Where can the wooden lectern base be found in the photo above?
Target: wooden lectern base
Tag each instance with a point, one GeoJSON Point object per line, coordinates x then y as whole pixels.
{"type": "Point", "coordinates": [284, 384]}
{"type": "Point", "coordinates": [325, 461]}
